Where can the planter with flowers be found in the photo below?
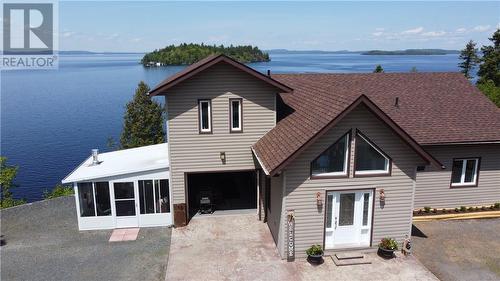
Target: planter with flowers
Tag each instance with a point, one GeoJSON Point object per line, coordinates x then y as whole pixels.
{"type": "Point", "coordinates": [315, 254]}
{"type": "Point", "coordinates": [386, 248]}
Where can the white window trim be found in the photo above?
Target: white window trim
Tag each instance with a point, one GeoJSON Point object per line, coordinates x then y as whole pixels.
{"type": "Point", "coordinates": [235, 129]}
{"type": "Point", "coordinates": [464, 168]}
{"type": "Point", "coordinates": [200, 117]}
{"type": "Point", "coordinates": [346, 162]}
{"type": "Point", "coordinates": [373, 172]}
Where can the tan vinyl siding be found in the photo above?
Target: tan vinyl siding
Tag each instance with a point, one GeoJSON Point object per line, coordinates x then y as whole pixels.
{"type": "Point", "coordinates": [393, 220]}
{"type": "Point", "coordinates": [194, 152]}
{"type": "Point", "coordinates": [433, 185]}
{"type": "Point", "coordinates": [275, 213]}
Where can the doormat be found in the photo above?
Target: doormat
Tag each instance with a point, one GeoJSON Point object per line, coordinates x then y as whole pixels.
{"type": "Point", "coordinates": [124, 234]}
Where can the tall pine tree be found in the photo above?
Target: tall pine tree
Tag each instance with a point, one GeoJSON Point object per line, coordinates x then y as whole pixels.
{"type": "Point", "coordinates": [469, 58]}
{"type": "Point", "coordinates": [489, 70]}
{"type": "Point", "coordinates": [143, 120]}
{"type": "Point", "coordinates": [378, 69]}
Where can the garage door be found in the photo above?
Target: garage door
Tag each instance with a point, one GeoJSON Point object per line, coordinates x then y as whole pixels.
{"type": "Point", "coordinates": [226, 191]}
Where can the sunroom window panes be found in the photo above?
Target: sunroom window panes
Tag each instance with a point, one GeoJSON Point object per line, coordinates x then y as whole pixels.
{"type": "Point", "coordinates": [333, 161]}
{"type": "Point", "coordinates": [86, 199]}
{"type": "Point", "coordinates": [464, 172]}
{"type": "Point", "coordinates": [369, 159]}
{"type": "Point", "coordinates": [164, 200]}
{"type": "Point", "coordinates": [146, 197]}
{"type": "Point", "coordinates": [103, 203]}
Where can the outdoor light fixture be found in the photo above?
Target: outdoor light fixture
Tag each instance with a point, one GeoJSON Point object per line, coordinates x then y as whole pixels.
{"type": "Point", "coordinates": [319, 201]}
{"type": "Point", "coordinates": [382, 195]}
{"type": "Point", "coordinates": [223, 157]}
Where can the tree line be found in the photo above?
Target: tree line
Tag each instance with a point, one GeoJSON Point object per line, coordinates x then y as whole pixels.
{"type": "Point", "coordinates": [190, 53]}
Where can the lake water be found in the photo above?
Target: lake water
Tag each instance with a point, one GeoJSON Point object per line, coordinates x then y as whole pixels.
{"type": "Point", "coordinates": [50, 120]}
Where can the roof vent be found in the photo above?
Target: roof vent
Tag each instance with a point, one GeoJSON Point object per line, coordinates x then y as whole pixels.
{"type": "Point", "coordinates": [396, 102]}
{"type": "Point", "coordinates": [95, 157]}
{"type": "Point", "coordinates": [268, 72]}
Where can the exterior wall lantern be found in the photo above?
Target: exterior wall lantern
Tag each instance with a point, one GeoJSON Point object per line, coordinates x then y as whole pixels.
{"type": "Point", "coordinates": [223, 157]}
{"type": "Point", "coordinates": [319, 201]}
{"type": "Point", "coordinates": [382, 195]}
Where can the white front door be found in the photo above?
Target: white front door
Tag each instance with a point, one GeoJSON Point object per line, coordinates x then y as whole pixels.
{"type": "Point", "coordinates": [348, 219]}
{"type": "Point", "coordinates": [125, 204]}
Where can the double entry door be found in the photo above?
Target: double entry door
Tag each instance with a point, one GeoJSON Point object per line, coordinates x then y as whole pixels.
{"type": "Point", "coordinates": [348, 220]}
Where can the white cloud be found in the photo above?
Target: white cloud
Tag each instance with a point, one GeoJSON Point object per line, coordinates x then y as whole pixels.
{"type": "Point", "coordinates": [461, 30]}
{"type": "Point", "coordinates": [434, 33]}
{"type": "Point", "coordinates": [482, 28]}
{"type": "Point", "coordinates": [67, 34]}
{"type": "Point", "coordinates": [377, 34]}
{"type": "Point", "coordinates": [135, 40]}
{"type": "Point", "coordinates": [415, 30]}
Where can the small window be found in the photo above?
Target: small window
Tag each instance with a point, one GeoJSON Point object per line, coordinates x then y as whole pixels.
{"type": "Point", "coordinates": [465, 172]}
{"type": "Point", "coordinates": [369, 158]}
{"type": "Point", "coordinates": [334, 160]}
{"type": "Point", "coordinates": [205, 116]}
{"type": "Point", "coordinates": [235, 114]}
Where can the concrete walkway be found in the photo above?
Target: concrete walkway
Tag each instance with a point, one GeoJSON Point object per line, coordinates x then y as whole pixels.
{"type": "Point", "coordinates": [241, 248]}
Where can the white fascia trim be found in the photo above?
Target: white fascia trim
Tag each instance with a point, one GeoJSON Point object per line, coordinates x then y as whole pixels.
{"type": "Point", "coordinates": [117, 173]}
{"type": "Point", "coordinates": [260, 162]}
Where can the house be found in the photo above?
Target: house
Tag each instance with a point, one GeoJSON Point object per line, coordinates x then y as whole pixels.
{"type": "Point", "coordinates": [339, 160]}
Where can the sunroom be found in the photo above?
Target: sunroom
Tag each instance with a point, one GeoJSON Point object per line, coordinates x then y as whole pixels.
{"type": "Point", "coordinates": [124, 188]}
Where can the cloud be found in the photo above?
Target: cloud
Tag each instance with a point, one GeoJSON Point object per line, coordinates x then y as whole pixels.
{"type": "Point", "coordinates": [135, 40]}
{"type": "Point", "coordinates": [461, 30]}
{"type": "Point", "coordinates": [67, 34]}
{"type": "Point", "coordinates": [481, 28]}
{"type": "Point", "coordinates": [415, 30]}
{"type": "Point", "coordinates": [434, 33]}
{"type": "Point", "coordinates": [377, 34]}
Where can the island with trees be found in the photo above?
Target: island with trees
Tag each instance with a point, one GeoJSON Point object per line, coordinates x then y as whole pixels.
{"type": "Point", "coordinates": [410, 52]}
{"type": "Point", "coordinates": [185, 54]}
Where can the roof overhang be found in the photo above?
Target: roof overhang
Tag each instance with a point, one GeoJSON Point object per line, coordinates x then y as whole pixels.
{"type": "Point", "coordinates": [381, 115]}
{"type": "Point", "coordinates": [196, 68]}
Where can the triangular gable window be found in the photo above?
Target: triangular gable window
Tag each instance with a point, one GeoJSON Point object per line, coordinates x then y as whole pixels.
{"type": "Point", "coordinates": [333, 161]}
{"type": "Point", "coordinates": [369, 158]}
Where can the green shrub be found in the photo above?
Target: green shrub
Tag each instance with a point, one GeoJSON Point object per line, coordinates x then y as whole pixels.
{"type": "Point", "coordinates": [58, 191]}
{"type": "Point", "coordinates": [483, 208]}
{"type": "Point", "coordinates": [388, 244]}
{"type": "Point", "coordinates": [427, 209]}
{"type": "Point", "coordinates": [470, 209]}
{"type": "Point", "coordinates": [11, 202]}
{"type": "Point", "coordinates": [457, 210]}
{"type": "Point", "coordinates": [463, 209]}
{"type": "Point", "coordinates": [497, 205]}
{"type": "Point", "coordinates": [314, 250]}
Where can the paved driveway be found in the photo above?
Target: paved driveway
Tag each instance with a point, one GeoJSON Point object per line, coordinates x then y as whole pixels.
{"type": "Point", "coordinates": [460, 249]}
{"type": "Point", "coordinates": [238, 247]}
{"type": "Point", "coordinates": [43, 243]}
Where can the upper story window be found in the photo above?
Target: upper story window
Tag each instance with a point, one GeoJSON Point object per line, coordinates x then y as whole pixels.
{"type": "Point", "coordinates": [465, 172]}
{"type": "Point", "coordinates": [370, 160]}
{"type": "Point", "coordinates": [235, 115]}
{"type": "Point", "coordinates": [205, 116]}
{"type": "Point", "coordinates": [333, 161]}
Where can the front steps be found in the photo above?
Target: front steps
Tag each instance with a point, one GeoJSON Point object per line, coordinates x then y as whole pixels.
{"type": "Point", "coordinates": [349, 258]}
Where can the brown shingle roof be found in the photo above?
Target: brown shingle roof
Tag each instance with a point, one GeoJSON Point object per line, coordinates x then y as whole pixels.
{"type": "Point", "coordinates": [205, 63]}
{"type": "Point", "coordinates": [433, 108]}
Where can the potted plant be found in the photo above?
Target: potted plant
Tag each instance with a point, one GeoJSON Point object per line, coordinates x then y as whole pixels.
{"type": "Point", "coordinates": [315, 254]}
{"type": "Point", "coordinates": [387, 247]}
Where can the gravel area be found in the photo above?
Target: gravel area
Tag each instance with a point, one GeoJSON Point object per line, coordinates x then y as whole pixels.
{"type": "Point", "coordinates": [43, 243]}
{"type": "Point", "coordinates": [459, 249]}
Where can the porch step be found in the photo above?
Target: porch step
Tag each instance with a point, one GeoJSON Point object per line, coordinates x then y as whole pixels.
{"type": "Point", "coordinates": [349, 255]}
{"type": "Point", "coordinates": [349, 258]}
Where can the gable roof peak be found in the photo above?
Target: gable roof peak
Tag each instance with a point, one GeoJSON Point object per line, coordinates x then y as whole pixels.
{"type": "Point", "coordinates": [206, 63]}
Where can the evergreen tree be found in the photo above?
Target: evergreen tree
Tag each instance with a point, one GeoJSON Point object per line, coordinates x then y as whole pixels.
{"type": "Point", "coordinates": [143, 120]}
{"type": "Point", "coordinates": [490, 62]}
{"type": "Point", "coordinates": [469, 58]}
{"type": "Point", "coordinates": [378, 69]}
{"type": "Point", "coordinates": [7, 175]}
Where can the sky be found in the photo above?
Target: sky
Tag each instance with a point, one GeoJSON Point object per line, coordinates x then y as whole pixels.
{"type": "Point", "coordinates": [145, 26]}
